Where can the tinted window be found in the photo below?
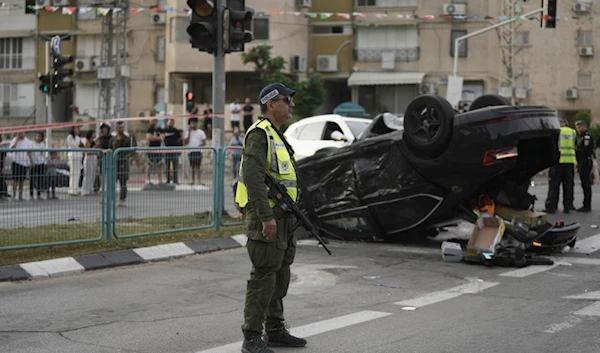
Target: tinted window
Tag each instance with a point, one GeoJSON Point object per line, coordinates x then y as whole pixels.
{"type": "Point", "coordinates": [312, 131]}
{"type": "Point", "coordinates": [331, 127]}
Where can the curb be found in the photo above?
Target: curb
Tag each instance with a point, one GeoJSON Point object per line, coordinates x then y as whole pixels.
{"type": "Point", "coordinates": [66, 266]}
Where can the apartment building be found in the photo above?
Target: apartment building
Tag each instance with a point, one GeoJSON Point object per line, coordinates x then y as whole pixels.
{"type": "Point", "coordinates": [277, 23]}
{"type": "Point", "coordinates": [17, 64]}
{"type": "Point", "coordinates": [398, 56]}
{"type": "Point", "coordinates": [331, 45]}
{"type": "Point", "coordinates": [560, 64]}
{"type": "Point", "coordinates": [145, 65]}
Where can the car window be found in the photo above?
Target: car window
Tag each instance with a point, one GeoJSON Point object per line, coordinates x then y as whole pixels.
{"type": "Point", "coordinates": [331, 127]}
{"type": "Point", "coordinates": [296, 132]}
{"type": "Point", "coordinates": [357, 127]}
{"type": "Point", "coordinates": [312, 131]}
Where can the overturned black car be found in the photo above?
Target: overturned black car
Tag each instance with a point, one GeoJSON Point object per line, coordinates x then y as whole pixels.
{"type": "Point", "coordinates": [424, 173]}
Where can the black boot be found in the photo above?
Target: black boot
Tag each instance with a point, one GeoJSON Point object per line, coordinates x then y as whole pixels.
{"type": "Point", "coordinates": [255, 344]}
{"type": "Point", "coordinates": [281, 338]}
{"type": "Point", "coordinates": [585, 209]}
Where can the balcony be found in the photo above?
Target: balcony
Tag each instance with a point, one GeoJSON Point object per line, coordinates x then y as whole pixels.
{"type": "Point", "coordinates": [11, 111]}
{"type": "Point", "coordinates": [372, 55]}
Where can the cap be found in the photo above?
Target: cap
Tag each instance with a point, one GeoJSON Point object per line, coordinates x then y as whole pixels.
{"type": "Point", "coordinates": [580, 122]}
{"type": "Point", "coordinates": [273, 90]}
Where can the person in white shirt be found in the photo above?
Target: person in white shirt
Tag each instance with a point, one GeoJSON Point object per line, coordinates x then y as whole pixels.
{"type": "Point", "coordinates": [75, 160]}
{"type": "Point", "coordinates": [236, 111]}
{"type": "Point", "coordinates": [91, 163]}
{"type": "Point", "coordinates": [37, 173]}
{"type": "Point", "coordinates": [21, 162]}
{"type": "Point", "coordinates": [195, 138]}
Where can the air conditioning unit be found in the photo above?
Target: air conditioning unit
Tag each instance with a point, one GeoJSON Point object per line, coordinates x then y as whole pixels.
{"type": "Point", "coordinates": [327, 63]}
{"type": "Point", "coordinates": [521, 93]}
{"type": "Point", "coordinates": [159, 18]}
{"type": "Point", "coordinates": [428, 88]}
{"type": "Point", "coordinates": [506, 92]}
{"type": "Point", "coordinates": [298, 63]}
{"type": "Point", "coordinates": [571, 93]}
{"type": "Point", "coordinates": [60, 2]}
{"type": "Point", "coordinates": [586, 51]}
{"type": "Point", "coordinates": [43, 3]}
{"type": "Point", "coordinates": [304, 3]}
{"type": "Point", "coordinates": [581, 7]}
{"type": "Point", "coordinates": [455, 9]}
{"type": "Point", "coordinates": [82, 65]}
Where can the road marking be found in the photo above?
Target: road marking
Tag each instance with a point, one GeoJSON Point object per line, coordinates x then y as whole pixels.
{"type": "Point", "coordinates": [590, 310]}
{"type": "Point", "coordinates": [587, 245]}
{"type": "Point", "coordinates": [473, 287]}
{"type": "Point", "coordinates": [528, 271]}
{"type": "Point", "coordinates": [571, 322]}
{"type": "Point", "coordinates": [312, 278]}
{"type": "Point", "coordinates": [241, 238]}
{"type": "Point", "coordinates": [588, 295]}
{"type": "Point", "coordinates": [314, 328]}
{"type": "Point", "coordinates": [414, 250]}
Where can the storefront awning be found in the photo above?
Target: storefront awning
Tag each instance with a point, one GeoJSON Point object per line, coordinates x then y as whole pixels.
{"type": "Point", "coordinates": [385, 78]}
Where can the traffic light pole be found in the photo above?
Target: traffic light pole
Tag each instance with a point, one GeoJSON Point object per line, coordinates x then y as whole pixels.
{"type": "Point", "coordinates": [48, 99]}
{"type": "Point", "coordinates": [218, 84]}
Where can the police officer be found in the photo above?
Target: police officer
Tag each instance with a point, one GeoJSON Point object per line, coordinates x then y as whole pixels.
{"type": "Point", "coordinates": [563, 172]}
{"type": "Point", "coordinates": [584, 150]}
{"type": "Point", "coordinates": [271, 245]}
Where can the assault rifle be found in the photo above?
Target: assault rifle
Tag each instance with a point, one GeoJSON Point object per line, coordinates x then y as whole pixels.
{"type": "Point", "coordinates": [278, 193]}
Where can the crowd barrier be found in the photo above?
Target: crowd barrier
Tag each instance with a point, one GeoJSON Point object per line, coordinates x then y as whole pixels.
{"type": "Point", "coordinates": [74, 196]}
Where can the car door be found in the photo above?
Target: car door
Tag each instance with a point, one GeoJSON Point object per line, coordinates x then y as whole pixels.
{"type": "Point", "coordinates": [309, 139]}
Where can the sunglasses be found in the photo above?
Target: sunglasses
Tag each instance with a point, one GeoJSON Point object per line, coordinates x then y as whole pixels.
{"type": "Point", "coordinates": [288, 100]}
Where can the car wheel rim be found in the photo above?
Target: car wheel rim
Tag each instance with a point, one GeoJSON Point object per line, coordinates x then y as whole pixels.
{"type": "Point", "coordinates": [427, 123]}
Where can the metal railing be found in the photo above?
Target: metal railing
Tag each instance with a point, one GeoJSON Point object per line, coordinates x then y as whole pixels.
{"type": "Point", "coordinates": [89, 195]}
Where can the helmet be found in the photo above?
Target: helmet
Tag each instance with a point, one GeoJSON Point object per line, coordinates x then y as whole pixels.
{"type": "Point", "coordinates": [105, 125]}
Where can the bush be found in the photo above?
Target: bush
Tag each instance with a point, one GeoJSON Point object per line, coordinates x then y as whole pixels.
{"type": "Point", "coordinates": [585, 116]}
{"type": "Point", "coordinates": [595, 132]}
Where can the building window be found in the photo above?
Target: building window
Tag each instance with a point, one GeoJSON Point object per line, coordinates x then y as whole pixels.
{"type": "Point", "coordinates": [178, 32]}
{"type": "Point", "coordinates": [260, 27]}
{"type": "Point", "coordinates": [462, 46]}
{"type": "Point", "coordinates": [585, 38]}
{"type": "Point", "coordinates": [386, 3]}
{"type": "Point", "coordinates": [11, 53]}
{"type": "Point", "coordinates": [160, 48]}
{"type": "Point", "coordinates": [523, 38]}
{"type": "Point", "coordinates": [584, 80]}
{"type": "Point", "coordinates": [16, 99]}
{"type": "Point", "coordinates": [331, 29]}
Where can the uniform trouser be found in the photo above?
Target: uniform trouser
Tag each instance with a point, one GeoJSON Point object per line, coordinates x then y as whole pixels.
{"type": "Point", "coordinates": [561, 173]}
{"type": "Point", "coordinates": [270, 276]}
{"type": "Point", "coordinates": [584, 168]}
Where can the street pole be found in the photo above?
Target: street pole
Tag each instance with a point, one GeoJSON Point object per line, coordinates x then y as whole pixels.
{"type": "Point", "coordinates": [486, 29]}
{"type": "Point", "coordinates": [186, 163]}
{"type": "Point", "coordinates": [48, 99]}
{"type": "Point", "coordinates": [218, 84]}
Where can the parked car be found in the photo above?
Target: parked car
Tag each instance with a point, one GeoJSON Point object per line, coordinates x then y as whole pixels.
{"type": "Point", "coordinates": [324, 131]}
{"type": "Point", "coordinates": [415, 175]}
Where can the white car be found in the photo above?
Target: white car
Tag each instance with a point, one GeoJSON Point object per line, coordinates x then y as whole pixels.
{"type": "Point", "coordinates": [309, 135]}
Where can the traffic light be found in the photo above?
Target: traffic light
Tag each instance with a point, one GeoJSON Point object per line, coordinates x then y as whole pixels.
{"type": "Point", "coordinates": [550, 16]}
{"type": "Point", "coordinates": [203, 25]}
{"type": "Point", "coordinates": [59, 73]}
{"type": "Point", "coordinates": [46, 83]}
{"type": "Point", "coordinates": [237, 26]}
{"type": "Point", "coordinates": [189, 102]}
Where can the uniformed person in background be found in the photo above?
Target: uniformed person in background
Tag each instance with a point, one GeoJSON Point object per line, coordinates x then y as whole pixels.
{"type": "Point", "coordinates": [584, 149]}
{"type": "Point", "coordinates": [271, 245]}
{"type": "Point", "coordinates": [563, 172]}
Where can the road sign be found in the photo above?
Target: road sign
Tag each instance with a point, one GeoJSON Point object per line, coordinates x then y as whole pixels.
{"type": "Point", "coordinates": [55, 44]}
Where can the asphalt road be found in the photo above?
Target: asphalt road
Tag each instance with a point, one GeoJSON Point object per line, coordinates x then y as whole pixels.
{"type": "Point", "coordinates": [364, 298]}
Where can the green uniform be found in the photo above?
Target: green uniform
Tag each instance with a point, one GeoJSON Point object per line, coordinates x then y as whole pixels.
{"type": "Point", "coordinates": [271, 260]}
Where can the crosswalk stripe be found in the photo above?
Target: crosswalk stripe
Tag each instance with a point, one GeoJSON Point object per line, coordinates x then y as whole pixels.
{"type": "Point", "coordinates": [587, 245]}
{"type": "Point", "coordinates": [313, 329]}
{"type": "Point", "coordinates": [436, 297]}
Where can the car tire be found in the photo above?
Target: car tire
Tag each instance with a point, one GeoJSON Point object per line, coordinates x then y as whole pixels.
{"type": "Point", "coordinates": [421, 117]}
{"type": "Point", "coordinates": [488, 100]}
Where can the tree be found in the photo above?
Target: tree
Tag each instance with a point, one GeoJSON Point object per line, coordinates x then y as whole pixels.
{"type": "Point", "coordinates": [585, 116]}
{"type": "Point", "coordinates": [309, 94]}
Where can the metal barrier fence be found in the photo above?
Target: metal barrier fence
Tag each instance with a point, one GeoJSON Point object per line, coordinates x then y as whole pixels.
{"type": "Point", "coordinates": [87, 195]}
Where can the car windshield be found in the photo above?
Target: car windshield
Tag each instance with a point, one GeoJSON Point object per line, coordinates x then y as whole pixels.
{"type": "Point", "coordinates": [357, 127]}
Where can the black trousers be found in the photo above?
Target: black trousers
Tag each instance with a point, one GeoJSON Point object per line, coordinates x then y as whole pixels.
{"type": "Point", "coordinates": [560, 174]}
{"type": "Point", "coordinates": [172, 158]}
{"type": "Point", "coordinates": [584, 167]}
{"type": "Point", "coordinates": [37, 179]}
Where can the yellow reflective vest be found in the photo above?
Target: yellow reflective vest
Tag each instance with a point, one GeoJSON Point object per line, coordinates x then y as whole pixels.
{"type": "Point", "coordinates": [567, 145]}
{"type": "Point", "coordinates": [278, 163]}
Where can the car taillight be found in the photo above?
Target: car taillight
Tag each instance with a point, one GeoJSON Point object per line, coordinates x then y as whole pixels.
{"type": "Point", "coordinates": [498, 155]}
